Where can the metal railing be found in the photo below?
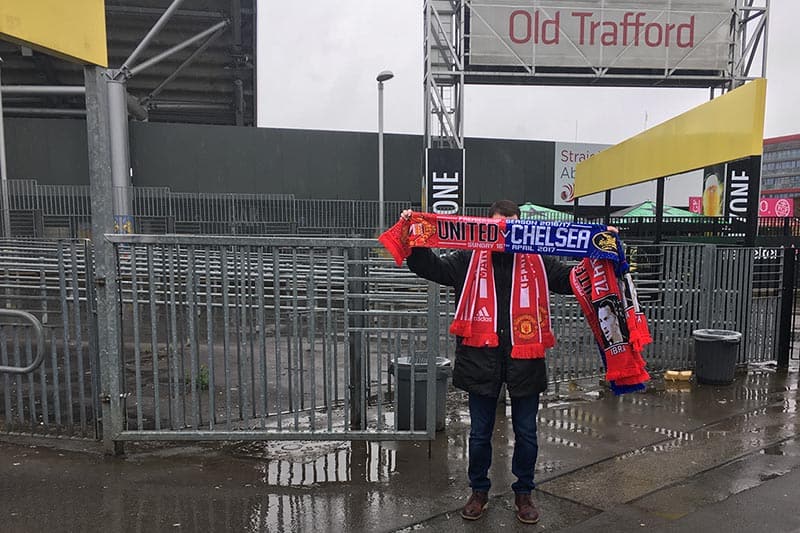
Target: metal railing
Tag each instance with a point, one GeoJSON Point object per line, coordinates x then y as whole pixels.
{"type": "Point", "coordinates": [53, 282]}
{"type": "Point", "coordinates": [31, 365]}
{"type": "Point", "coordinates": [64, 211]}
{"type": "Point", "coordinates": [290, 337]}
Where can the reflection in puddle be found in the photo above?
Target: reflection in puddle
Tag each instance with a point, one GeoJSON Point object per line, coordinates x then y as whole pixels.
{"type": "Point", "coordinates": [302, 464]}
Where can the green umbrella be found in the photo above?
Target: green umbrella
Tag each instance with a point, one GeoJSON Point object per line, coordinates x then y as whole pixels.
{"type": "Point", "coordinates": [648, 209]}
{"type": "Point", "coordinates": [539, 212]}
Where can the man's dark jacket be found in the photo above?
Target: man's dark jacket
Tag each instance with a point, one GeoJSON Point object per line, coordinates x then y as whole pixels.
{"type": "Point", "coordinates": [482, 371]}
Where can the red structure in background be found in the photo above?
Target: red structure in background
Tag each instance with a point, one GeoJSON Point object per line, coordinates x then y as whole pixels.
{"type": "Point", "coordinates": [780, 169]}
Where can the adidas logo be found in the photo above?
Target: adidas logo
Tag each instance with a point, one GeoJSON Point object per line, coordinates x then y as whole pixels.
{"type": "Point", "coordinates": [483, 315]}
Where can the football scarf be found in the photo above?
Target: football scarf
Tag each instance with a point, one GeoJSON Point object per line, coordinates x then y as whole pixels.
{"type": "Point", "coordinates": [476, 313]}
{"type": "Point", "coordinates": [542, 237]}
{"type": "Point", "coordinates": [616, 321]}
{"type": "Point", "coordinates": [613, 313]}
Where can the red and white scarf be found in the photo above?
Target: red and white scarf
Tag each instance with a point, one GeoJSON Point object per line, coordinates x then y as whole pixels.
{"type": "Point", "coordinates": [594, 283]}
{"type": "Point", "coordinates": [476, 314]}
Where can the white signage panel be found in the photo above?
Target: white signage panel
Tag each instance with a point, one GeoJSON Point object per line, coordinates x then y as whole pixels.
{"type": "Point", "coordinates": [648, 34]}
{"type": "Point", "coordinates": [567, 156]}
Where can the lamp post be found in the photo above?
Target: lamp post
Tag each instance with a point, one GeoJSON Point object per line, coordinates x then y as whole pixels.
{"type": "Point", "coordinates": [384, 75]}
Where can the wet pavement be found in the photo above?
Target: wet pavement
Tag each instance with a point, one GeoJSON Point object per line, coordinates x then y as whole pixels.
{"type": "Point", "coordinates": [678, 457]}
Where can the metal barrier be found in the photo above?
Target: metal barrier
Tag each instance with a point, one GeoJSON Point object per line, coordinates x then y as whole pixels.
{"type": "Point", "coordinates": [237, 338]}
{"type": "Point", "coordinates": [37, 329]}
{"type": "Point", "coordinates": [50, 280]}
{"type": "Point", "coordinates": [293, 338]}
{"type": "Point", "coordinates": [64, 211]}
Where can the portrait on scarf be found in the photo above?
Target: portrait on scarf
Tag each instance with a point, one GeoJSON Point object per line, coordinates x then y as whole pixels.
{"type": "Point", "coordinates": [612, 321]}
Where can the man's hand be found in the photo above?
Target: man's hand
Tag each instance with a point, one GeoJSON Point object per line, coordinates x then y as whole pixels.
{"type": "Point", "coordinates": [613, 229]}
{"type": "Point", "coordinates": [406, 214]}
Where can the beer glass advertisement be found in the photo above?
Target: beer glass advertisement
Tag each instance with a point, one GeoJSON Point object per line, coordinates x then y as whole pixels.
{"type": "Point", "coordinates": [713, 191]}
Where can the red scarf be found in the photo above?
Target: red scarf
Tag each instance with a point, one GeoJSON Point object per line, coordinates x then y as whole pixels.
{"type": "Point", "coordinates": [421, 230]}
{"type": "Point", "coordinates": [617, 323]}
{"type": "Point", "coordinates": [476, 314]}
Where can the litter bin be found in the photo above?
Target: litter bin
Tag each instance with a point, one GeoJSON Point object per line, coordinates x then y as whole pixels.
{"type": "Point", "coordinates": [404, 364]}
{"type": "Point", "coordinates": [715, 355]}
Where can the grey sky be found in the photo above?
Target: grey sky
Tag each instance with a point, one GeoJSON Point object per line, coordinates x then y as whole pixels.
{"type": "Point", "coordinates": [317, 63]}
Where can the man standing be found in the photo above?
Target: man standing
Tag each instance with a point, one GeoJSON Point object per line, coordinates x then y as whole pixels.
{"type": "Point", "coordinates": [481, 370]}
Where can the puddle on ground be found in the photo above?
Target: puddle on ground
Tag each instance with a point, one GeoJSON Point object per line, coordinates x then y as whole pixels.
{"type": "Point", "coordinates": [307, 463]}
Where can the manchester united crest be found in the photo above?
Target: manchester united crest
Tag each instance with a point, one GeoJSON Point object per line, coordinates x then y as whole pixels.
{"type": "Point", "coordinates": [421, 229]}
{"type": "Point", "coordinates": [525, 326]}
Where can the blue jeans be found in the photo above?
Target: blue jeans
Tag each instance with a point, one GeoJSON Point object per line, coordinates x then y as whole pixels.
{"type": "Point", "coordinates": [482, 411]}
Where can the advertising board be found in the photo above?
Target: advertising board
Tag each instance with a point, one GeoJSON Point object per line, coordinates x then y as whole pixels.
{"type": "Point", "coordinates": [601, 34]}
{"type": "Point", "coordinates": [444, 170]}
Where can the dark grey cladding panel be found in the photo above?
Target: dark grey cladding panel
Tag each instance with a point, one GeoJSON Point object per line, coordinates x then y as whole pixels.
{"type": "Point", "coordinates": [52, 151]}
{"type": "Point", "coordinates": [513, 169]}
{"type": "Point", "coordinates": [307, 163]}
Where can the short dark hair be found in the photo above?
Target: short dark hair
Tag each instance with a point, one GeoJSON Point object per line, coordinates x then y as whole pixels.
{"type": "Point", "coordinates": [609, 304]}
{"type": "Point", "coordinates": [507, 208]}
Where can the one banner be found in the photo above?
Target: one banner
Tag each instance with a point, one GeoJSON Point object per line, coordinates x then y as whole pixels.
{"type": "Point", "coordinates": [742, 191]}
{"type": "Point", "coordinates": [767, 207]}
{"type": "Point", "coordinates": [444, 176]}
{"type": "Point", "coordinates": [742, 184]}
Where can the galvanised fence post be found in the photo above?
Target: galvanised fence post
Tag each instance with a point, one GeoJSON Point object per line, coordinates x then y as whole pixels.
{"type": "Point", "coordinates": [108, 328]}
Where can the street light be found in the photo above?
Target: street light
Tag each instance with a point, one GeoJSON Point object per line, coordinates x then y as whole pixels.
{"type": "Point", "coordinates": [384, 75]}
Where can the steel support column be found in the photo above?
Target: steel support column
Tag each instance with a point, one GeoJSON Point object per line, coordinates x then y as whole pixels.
{"type": "Point", "coordinates": [3, 177]}
{"type": "Point", "coordinates": [108, 327]}
{"type": "Point", "coordinates": [118, 143]}
{"type": "Point", "coordinates": [236, 31]}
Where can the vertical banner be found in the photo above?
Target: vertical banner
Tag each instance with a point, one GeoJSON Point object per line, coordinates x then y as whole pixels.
{"type": "Point", "coordinates": [444, 178]}
{"type": "Point", "coordinates": [742, 187]}
{"type": "Point", "coordinates": [742, 191]}
{"type": "Point", "coordinates": [713, 191]}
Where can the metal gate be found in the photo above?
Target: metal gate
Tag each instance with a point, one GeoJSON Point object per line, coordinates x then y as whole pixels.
{"type": "Point", "coordinates": [280, 338]}
{"type": "Point", "coordinates": [299, 338]}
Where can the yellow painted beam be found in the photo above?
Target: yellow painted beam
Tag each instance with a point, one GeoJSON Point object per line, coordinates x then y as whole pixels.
{"type": "Point", "coordinates": [727, 128]}
{"type": "Point", "coordinates": [74, 30]}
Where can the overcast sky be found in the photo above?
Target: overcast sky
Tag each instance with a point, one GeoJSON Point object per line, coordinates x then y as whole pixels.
{"type": "Point", "coordinates": [317, 63]}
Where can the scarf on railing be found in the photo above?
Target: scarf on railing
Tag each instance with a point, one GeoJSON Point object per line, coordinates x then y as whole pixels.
{"type": "Point", "coordinates": [501, 235]}
{"type": "Point", "coordinates": [618, 325]}
{"type": "Point", "coordinates": [476, 313]}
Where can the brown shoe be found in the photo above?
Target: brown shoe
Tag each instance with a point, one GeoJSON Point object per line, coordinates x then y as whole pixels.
{"type": "Point", "coordinates": [526, 510]}
{"type": "Point", "coordinates": [476, 505]}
